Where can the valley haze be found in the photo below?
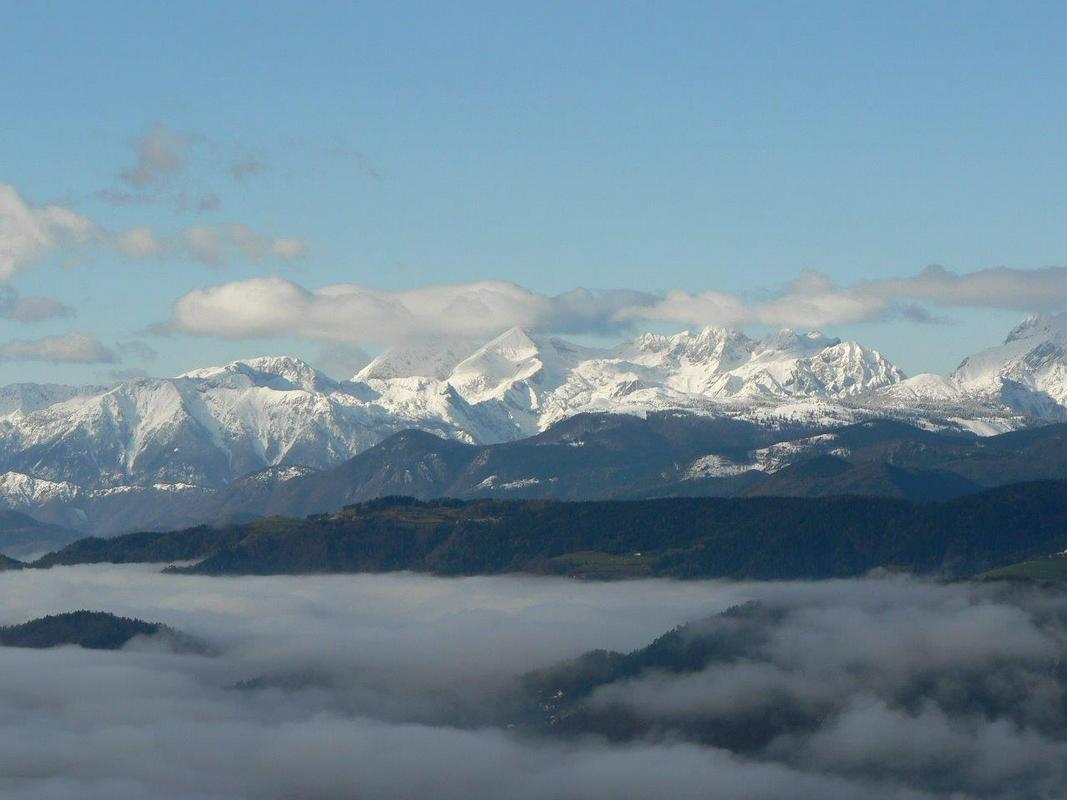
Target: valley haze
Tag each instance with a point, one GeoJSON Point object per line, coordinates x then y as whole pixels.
{"type": "Point", "coordinates": [921, 690]}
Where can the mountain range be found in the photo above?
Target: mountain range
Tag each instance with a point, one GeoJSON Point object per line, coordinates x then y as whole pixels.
{"type": "Point", "coordinates": [154, 452]}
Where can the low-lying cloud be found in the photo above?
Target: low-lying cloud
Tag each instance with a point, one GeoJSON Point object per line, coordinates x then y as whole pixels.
{"type": "Point", "coordinates": [351, 313]}
{"type": "Point", "coordinates": [357, 314]}
{"type": "Point", "coordinates": [389, 686]}
{"type": "Point", "coordinates": [1002, 287]}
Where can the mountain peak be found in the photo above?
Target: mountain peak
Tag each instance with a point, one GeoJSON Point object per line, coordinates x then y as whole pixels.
{"type": "Point", "coordinates": [513, 340]}
{"type": "Point", "coordinates": [694, 346]}
{"type": "Point", "coordinates": [417, 359]}
{"type": "Point", "coordinates": [275, 372]}
{"type": "Point", "coordinates": [1027, 372]}
{"type": "Point", "coordinates": [1039, 325]}
{"type": "Point", "coordinates": [717, 332]}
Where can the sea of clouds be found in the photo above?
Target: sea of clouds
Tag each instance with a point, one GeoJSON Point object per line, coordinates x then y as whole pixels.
{"type": "Point", "coordinates": [388, 686]}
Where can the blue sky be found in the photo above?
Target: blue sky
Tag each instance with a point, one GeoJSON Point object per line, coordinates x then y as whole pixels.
{"type": "Point", "coordinates": [660, 147]}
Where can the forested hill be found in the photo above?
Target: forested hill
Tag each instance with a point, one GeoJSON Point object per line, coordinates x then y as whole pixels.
{"type": "Point", "coordinates": [764, 537]}
{"type": "Point", "coordinates": [96, 630]}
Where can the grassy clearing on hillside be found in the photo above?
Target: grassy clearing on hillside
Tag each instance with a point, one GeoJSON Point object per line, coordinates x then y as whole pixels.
{"type": "Point", "coordinates": [1044, 569]}
{"type": "Point", "coordinates": [594, 564]}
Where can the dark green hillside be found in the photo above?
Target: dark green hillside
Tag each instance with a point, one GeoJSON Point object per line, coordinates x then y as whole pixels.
{"type": "Point", "coordinates": [824, 476]}
{"type": "Point", "coordinates": [7, 563]}
{"type": "Point", "coordinates": [759, 537]}
{"type": "Point", "coordinates": [555, 698]}
{"type": "Point", "coordinates": [190, 544]}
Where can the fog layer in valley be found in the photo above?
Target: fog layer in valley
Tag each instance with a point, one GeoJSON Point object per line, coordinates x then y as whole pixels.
{"type": "Point", "coordinates": [397, 686]}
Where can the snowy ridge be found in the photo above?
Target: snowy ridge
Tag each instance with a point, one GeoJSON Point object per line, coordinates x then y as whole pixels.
{"type": "Point", "coordinates": [209, 426]}
{"type": "Point", "coordinates": [25, 491]}
{"type": "Point", "coordinates": [768, 459]}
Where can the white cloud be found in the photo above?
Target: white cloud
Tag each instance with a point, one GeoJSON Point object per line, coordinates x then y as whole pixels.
{"type": "Point", "coordinates": [351, 313]}
{"type": "Point", "coordinates": [67, 348]}
{"type": "Point", "coordinates": [810, 301]}
{"type": "Point", "coordinates": [29, 233]}
{"type": "Point", "coordinates": [355, 314]}
{"type": "Point", "coordinates": [813, 300]}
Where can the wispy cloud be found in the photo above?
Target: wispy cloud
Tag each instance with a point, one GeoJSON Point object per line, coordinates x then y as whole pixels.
{"type": "Point", "coordinates": [29, 234]}
{"type": "Point", "coordinates": [212, 245]}
{"type": "Point", "coordinates": [161, 155]}
{"type": "Point", "coordinates": [247, 167]}
{"type": "Point", "coordinates": [137, 350]}
{"type": "Point", "coordinates": [15, 307]}
{"type": "Point", "coordinates": [67, 348]}
{"type": "Point", "coordinates": [170, 168]}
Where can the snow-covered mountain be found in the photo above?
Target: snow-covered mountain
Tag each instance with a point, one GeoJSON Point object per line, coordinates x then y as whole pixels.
{"type": "Point", "coordinates": [419, 360]}
{"type": "Point", "coordinates": [1027, 373]}
{"type": "Point", "coordinates": [519, 375]}
{"type": "Point", "coordinates": [207, 427]}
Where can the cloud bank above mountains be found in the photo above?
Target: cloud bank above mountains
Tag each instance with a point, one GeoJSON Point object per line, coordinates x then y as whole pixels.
{"type": "Point", "coordinates": [391, 686]}
{"type": "Point", "coordinates": [358, 314]}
